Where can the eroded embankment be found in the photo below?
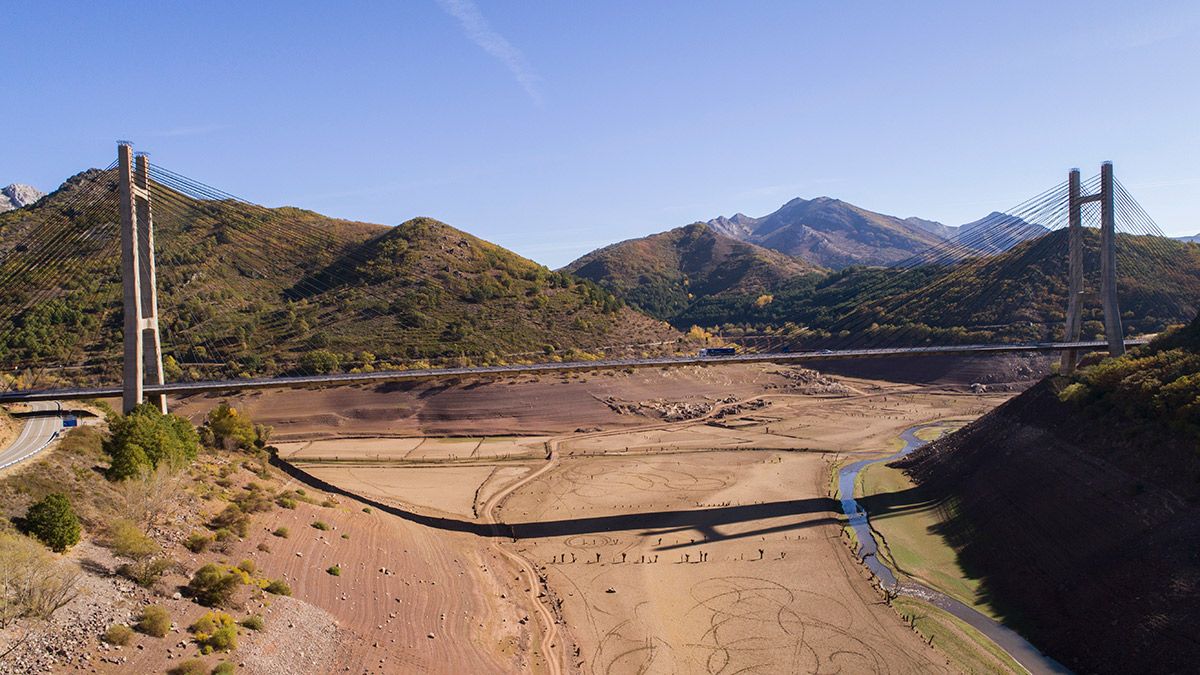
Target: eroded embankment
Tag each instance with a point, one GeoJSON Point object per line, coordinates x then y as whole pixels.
{"type": "Point", "coordinates": [1084, 535]}
{"type": "Point", "coordinates": [858, 518]}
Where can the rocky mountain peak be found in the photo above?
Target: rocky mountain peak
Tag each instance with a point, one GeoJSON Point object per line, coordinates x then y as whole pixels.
{"type": "Point", "coordinates": [18, 195]}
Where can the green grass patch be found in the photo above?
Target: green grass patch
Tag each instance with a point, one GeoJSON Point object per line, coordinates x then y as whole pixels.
{"type": "Point", "coordinates": [905, 521]}
{"type": "Point", "coordinates": [965, 647]}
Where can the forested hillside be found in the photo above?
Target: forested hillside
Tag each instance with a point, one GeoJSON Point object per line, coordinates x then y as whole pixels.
{"type": "Point", "coordinates": [1016, 295]}
{"type": "Point", "coordinates": [245, 290]}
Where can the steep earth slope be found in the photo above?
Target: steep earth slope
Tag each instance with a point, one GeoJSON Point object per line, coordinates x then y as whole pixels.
{"type": "Point", "coordinates": [1078, 506]}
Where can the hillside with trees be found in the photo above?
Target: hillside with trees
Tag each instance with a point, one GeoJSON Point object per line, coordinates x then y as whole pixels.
{"type": "Point", "coordinates": [663, 273]}
{"type": "Point", "coordinates": [1018, 295]}
{"type": "Point", "coordinates": [252, 291]}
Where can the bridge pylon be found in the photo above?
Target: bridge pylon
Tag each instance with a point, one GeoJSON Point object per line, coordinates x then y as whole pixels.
{"type": "Point", "coordinates": [1114, 332]}
{"type": "Point", "coordinates": [143, 349]}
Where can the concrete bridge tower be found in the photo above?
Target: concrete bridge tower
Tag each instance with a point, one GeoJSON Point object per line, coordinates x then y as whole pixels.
{"type": "Point", "coordinates": [1076, 295]}
{"type": "Point", "coordinates": [143, 350]}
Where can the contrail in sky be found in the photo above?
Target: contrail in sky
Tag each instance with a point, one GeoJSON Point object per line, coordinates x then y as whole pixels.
{"type": "Point", "coordinates": [481, 33]}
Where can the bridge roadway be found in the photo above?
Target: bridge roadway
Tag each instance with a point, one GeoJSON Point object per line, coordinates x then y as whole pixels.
{"type": "Point", "coordinates": [303, 381]}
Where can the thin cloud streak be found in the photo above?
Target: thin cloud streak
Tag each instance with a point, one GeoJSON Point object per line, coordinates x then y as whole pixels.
{"type": "Point", "coordinates": [481, 33]}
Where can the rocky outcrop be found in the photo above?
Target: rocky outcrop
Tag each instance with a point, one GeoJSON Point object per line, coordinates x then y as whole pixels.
{"type": "Point", "coordinates": [16, 196]}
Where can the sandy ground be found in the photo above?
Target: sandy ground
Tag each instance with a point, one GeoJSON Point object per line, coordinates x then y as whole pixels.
{"type": "Point", "coordinates": [528, 405]}
{"type": "Point", "coordinates": [707, 546]}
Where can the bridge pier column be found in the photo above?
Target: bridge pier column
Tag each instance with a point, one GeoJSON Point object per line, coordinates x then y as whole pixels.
{"type": "Point", "coordinates": [1075, 273]}
{"type": "Point", "coordinates": [1113, 330]}
{"type": "Point", "coordinates": [143, 349]}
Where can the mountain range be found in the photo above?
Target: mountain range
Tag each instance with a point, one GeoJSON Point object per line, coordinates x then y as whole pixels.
{"type": "Point", "coordinates": [832, 233]}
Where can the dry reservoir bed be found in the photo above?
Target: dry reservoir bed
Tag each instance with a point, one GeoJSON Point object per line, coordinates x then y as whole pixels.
{"type": "Point", "coordinates": [703, 546]}
{"type": "Point", "coordinates": [707, 563]}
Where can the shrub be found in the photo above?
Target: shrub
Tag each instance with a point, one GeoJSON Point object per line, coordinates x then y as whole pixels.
{"type": "Point", "coordinates": [253, 501]}
{"type": "Point", "coordinates": [230, 429]}
{"type": "Point", "coordinates": [128, 541]}
{"type": "Point", "coordinates": [320, 525]}
{"type": "Point", "coordinates": [253, 622]}
{"type": "Point", "coordinates": [262, 546]}
{"type": "Point", "coordinates": [329, 503]}
{"type": "Point", "coordinates": [215, 632]}
{"type": "Point", "coordinates": [366, 509]}
{"type": "Point", "coordinates": [336, 570]}
{"type": "Point", "coordinates": [53, 521]}
{"type": "Point", "coordinates": [147, 572]}
{"type": "Point", "coordinates": [197, 542]}
{"type": "Point", "coordinates": [247, 566]}
{"type": "Point", "coordinates": [155, 621]}
{"type": "Point", "coordinates": [146, 438]}
{"type": "Point", "coordinates": [285, 502]}
{"type": "Point", "coordinates": [278, 587]}
{"type": "Point", "coordinates": [34, 584]}
{"type": "Point", "coordinates": [128, 461]}
{"type": "Point", "coordinates": [320, 362]}
{"type": "Point", "coordinates": [224, 668]}
{"type": "Point", "coordinates": [118, 634]}
{"type": "Point", "coordinates": [213, 586]}
{"type": "Point", "coordinates": [189, 667]}
{"type": "Point", "coordinates": [345, 535]}
{"type": "Point", "coordinates": [282, 532]}
{"type": "Point", "coordinates": [233, 519]}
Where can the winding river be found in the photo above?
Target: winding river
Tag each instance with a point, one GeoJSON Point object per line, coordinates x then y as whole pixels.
{"type": "Point", "coordinates": [1007, 639]}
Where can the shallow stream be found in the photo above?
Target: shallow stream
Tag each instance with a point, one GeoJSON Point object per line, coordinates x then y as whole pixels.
{"type": "Point", "coordinates": [1006, 638]}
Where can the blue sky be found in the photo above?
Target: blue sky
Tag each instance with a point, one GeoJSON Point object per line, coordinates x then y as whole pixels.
{"type": "Point", "coordinates": [556, 127]}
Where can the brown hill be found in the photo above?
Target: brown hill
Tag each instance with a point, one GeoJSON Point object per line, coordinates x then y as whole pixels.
{"type": "Point", "coordinates": [661, 274]}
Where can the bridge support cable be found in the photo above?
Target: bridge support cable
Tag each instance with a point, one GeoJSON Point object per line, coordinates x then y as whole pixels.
{"type": "Point", "coordinates": [49, 271]}
{"type": "Point", "coordinates": [177, 183]}
{"type": "Point", "coordinates": [960, 259]}
{"type": "Point", "coordinates": [226, 314]}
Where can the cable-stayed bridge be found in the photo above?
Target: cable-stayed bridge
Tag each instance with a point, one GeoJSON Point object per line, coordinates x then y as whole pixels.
{"type": "Point", "coordinates": [141, 282]}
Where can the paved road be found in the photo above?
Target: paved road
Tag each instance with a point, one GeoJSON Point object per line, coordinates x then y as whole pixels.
{"type": "Point", "coordinates": [36, 433]}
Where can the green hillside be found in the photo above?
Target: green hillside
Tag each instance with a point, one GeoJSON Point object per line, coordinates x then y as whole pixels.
{"type": "Point", "coordinates": [1016, 295]}
{"type": "Point", "coordinates": [250, 291]}
{"type": "Point", "coordinates": [662, 274]}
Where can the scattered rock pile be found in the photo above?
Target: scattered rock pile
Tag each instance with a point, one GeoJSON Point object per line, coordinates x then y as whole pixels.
{"type": "Point", "coordinates": [805, 381]}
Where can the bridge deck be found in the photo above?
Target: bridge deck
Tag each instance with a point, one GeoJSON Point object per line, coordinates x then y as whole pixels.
{"type": "Point", "coordinates": [499, 371]}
